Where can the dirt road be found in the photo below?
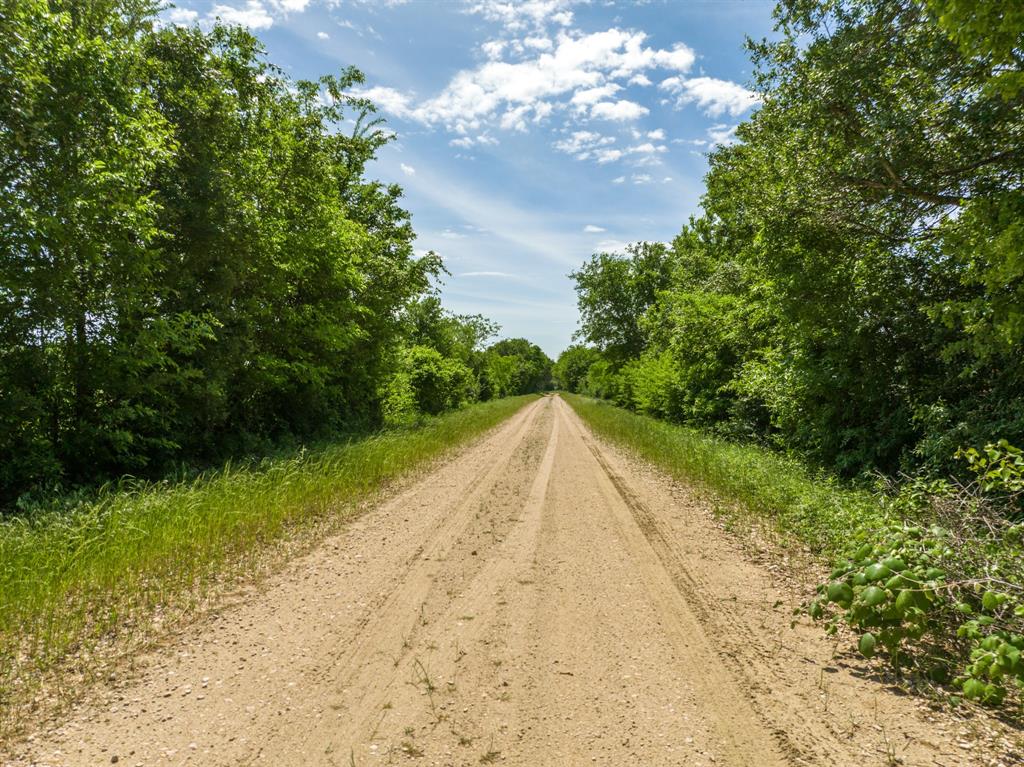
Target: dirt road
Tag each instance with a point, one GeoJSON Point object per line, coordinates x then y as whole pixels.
{"type": "Point", "coordinates": [538, 600]}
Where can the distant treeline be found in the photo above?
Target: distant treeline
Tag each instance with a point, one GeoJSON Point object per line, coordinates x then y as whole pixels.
{"type": "Point", "coordinates": [193, 263]}
{"type": "Point", "coordinates": [854, 288]}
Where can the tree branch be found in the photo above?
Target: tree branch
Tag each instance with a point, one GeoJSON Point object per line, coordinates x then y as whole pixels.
{"type": "Point", "coordinates": [898, 187]}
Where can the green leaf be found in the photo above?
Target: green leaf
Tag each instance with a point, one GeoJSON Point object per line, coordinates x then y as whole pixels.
{"type": "Point", "coordinates": [866, 645]}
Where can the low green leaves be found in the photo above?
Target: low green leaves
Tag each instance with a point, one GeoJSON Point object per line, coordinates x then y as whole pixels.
{"type": "Point", "coordinates": [895, 591]}
{"type": "Point", "coordinates": [866, 645]}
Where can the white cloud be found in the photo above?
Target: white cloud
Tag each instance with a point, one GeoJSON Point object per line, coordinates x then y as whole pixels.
{"type": "Point", "coordinates": [619, 180]}
{"type": "Point", "coordinates": [500, 275]}
{"type": "Point", "coordinates": [288, 6]}
{"type": "Point", "coordinates": [641, 178]}
{"type": "Point", "coordinates": [618, 110]}
{"type": "Point", "coordinates": [590, 96]}
{"type": "Point", "coordinates": [579, 70]}
{"type": "Point", "coordinates": [516, 15]}
{"type": "Point", "coordinates": [666, 180]}
{"type": "Point", "coordinates": [640, 79]}
{"type": "Point", "coordinates": [254, 15]}
{"type": "Point", "coordinates": [407, 169]}
{"type": "Point", "coordinates": [648, 148]}
{"type": "Point", "coordinates": [388, 99]}
{"type": "Point", "coordinates": [450, 234]}
{"type": "Point", "coordinates": [591, 229]}
{"type": "Point", "coordinates": [582, 142]}
{"type": "Point", "coordinates": [589, 145]}
{"type": "Point", "coordinates": [538, 43]}
{"type": "Point", "coordinates": [720, 135]}
{"type": "Point", "coordinates": [609, 246]}
{"type": "Point", "coordinates": [323, 35]}
{"type": "Point", "coordinates": [468, 141]}
{"type": "Point", "coordinates": [493, 48]}
{"type": "Point", "coordinates": [181, 16]}
{"type": "Point", "coordinates": [656, 135]}
{"type": "Point", "coordinates": [607, 155]}
{"type": "Point", "coordinates": [714, 96]}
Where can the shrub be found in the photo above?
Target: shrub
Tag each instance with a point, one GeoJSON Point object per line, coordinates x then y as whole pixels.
{"type": "Point", "coordinates": [438, 383]}
{"type": "Point", "coordinates": [942, 590]}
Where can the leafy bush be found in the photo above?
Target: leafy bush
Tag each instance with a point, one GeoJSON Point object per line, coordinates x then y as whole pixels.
{"type": "Point", "coordinates": [942, 590]}
{"type": "Point", "coordinates": [651, 385]}
{"type": "Point", "coordinates": [570, 371]}
{"type": "Point", "coordinates": [438, 383]}
{"type": "Point", "coordinates": [398, 401]}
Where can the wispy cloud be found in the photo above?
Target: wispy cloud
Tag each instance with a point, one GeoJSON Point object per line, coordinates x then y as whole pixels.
{"type": "Point", "coordinates": [499, 275]}
{"type": "Point", "coordinates": [519, 16]}
{"type": "Point", "coordinates": [181, 16]}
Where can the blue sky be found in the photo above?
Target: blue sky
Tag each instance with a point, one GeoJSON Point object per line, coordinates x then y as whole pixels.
{"type": "Point", "coordinates": [530, 134]}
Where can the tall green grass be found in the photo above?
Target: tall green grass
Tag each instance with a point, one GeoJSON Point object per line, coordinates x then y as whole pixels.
{"type": "Point", "coordinates": [70, 579]}
{"type": "Point", "coordinates": [805, 508]}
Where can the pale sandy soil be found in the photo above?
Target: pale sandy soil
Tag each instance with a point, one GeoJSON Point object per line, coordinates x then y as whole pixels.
{"type": "Point", "coordinates": [538, 600]}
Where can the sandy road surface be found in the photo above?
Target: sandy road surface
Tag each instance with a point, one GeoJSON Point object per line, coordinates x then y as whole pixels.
{"type": "Point", "coordinates": [538, 600]}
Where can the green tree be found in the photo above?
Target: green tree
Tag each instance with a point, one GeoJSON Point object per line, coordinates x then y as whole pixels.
{"type": "Point", "coordinates": [532, 366]}
{"type": "Point", "coordinates": [613, 293]}
{"type": "Point", "coordinates": [80, 320]}
{"type": "Point", "coordinates": [570, 370]}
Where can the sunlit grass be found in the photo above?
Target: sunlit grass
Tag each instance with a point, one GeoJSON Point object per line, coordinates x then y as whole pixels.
{"type": "Point", "coordinates": [72, 578]}
{"type": "Point", "coordinates": [800, 506]}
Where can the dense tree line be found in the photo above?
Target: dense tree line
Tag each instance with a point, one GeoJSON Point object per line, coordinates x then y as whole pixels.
{"type": "Point", "coordinates": [193, 261]}
{"type": "Point", "coordinates": [854, 287]}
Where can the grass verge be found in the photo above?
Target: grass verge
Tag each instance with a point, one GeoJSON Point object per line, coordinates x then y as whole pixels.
{"type": "Point", "coordinates": [803, 508]}
{"type": "Point", "coordinates": [70, 580]}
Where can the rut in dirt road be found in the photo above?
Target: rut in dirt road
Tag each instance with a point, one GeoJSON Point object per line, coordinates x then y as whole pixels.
{"type": "Point", "coordinates": [537, 600]}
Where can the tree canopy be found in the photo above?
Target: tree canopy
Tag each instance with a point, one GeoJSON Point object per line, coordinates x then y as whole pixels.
{"type": "Point", "coordinates": [193, 261]}
{"type": "Point", "coordinates": [854, 287]}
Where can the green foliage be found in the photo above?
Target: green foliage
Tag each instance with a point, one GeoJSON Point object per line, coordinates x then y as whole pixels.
{"type": "Point", "coordinates": [852, 292]}
{"type": "Point", "coordinates": [438, 383]}
{"type": "Point", "coordinates": [193, 262]}
{"type": "Point", "coordinates": [652, 385]}
{"type": "Point", "coordinates": [940, 589]}
{"type": "Point", "coordinates": [614, 291]}
{"type": "Point", "coordinates": [569, 372]}
{"type": "Point", "coordinates": [532, 367]}
{"type": "Point", "coordinates": [991, 30]}
{"type": "Point", "coordinates": [998, 467]}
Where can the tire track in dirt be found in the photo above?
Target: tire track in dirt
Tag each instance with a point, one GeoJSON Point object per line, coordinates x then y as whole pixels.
{"type": "Point", "coordinates": [742, 736]}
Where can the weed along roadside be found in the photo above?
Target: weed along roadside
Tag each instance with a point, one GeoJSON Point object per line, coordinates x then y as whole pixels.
{"type": "Point", "coordinates": [82, 585]}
